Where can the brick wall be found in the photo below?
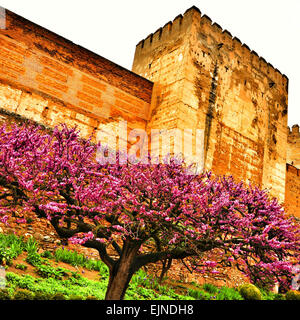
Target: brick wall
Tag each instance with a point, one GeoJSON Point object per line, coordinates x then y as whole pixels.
{"type": "Point", "coordinates": [49, 79]}
{"type": "Point", "coordinates": [292, 190]}
{"type": "Point", "coordinates": [208, 80]}
{"type": "Point", "coordinates": [293, 146]}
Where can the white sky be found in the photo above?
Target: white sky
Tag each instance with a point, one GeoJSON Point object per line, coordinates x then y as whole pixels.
{"type": "Point", "coordinates": [112, 28]}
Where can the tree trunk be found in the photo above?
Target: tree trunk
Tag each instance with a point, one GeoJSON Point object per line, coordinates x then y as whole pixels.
{"type": "Point", "coordinates": [122, 272]}
{"type": "Point", "coordinates": [165, 269]}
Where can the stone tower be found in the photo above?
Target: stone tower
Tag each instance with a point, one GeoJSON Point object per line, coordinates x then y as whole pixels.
{"type": "Point", "coordinates": [293, 150]}
{"type": "Point", "coordinates": [206, 79]}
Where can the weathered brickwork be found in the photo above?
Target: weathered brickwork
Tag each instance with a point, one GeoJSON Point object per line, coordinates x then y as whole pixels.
{"type": "Point", "coordinates": [208, 80]}
{"type": "Point", "coordinates": [292, 190]}
{"type": "Point", "coordinates": [293, 147]}
{"type": "Point", "coordinates": [49, 79]}
{"type": "Point", "coordinates": [190, 74]}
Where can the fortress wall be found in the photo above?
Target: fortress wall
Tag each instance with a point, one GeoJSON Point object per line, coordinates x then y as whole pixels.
{"type": "Point", "coordinates": [49, 79]}
{"type": "Point", "coordinates": [293, 146]}
{"type": "Point", "coordinates": [204, 79]}
{"type": "Point", "coordinates": [224, 88]}
{"type": "Point", "coordinates": [162, 58]}
{"type": "Point", "coordinates": [292, 190]}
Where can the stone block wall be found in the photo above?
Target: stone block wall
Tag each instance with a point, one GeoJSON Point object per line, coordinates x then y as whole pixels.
{"type": "Point", "coordinates": [49, 79]}
{"type": "Point", "coordinates": [293, 146]}
{"type": "Point", "coordinates": [292, 187]}
{"type": "Point", "coordinates": [206, 79]}
{"type": "Point", "coordinates": [292, 190]}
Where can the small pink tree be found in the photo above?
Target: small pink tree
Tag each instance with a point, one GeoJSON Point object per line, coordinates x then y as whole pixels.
{"type": "Point", "coordinates": [135, 214]}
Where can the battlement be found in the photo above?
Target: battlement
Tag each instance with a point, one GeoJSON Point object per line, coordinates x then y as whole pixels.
{"type": "Point", "coordinates": [181, 25]}
{"type": "Point", "coordinates": [294, 131]}
{"type": "Point", "coordinates": [292, 169]}
{"type": "Point", "coordinates": [171, 28]}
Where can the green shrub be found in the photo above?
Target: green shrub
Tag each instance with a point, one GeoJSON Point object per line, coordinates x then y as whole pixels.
{"type": "Point", "coordinates": [47, 254]}
{"type": "Point", "coordinates": [71, 257]}
{"type": "Point", "coordinates": [40, 295]}
{"type": "Point", "coordinates": [279, 296]}
{"type": "Point", "coordinates": [5, 256]}
{"type": "Point", "coordinates": [210, 288]}
{"type": "Point", "coordinates": [33, 258]}
{"type": "Point", "coordinates": [199, 294]}
{"type": "Point", "coordinates": [58, 296]}
{"type": "Point", "coordinates": [31, 245]}
{"type": "Point", "coordinates": [4, 294]}
{"type": "Point", "coordinates": [226, 293]}
{"type": "Point", "coordinates": [250, 292]}
{"type": "Point", "coordinates": [23, 294]}
{"type": "Point", "coordinates": [21, 266]}
{"type": "Point", "coordinates": [12, 244]}
{"type": "Point", "coordinates": [47, 271]}
{"type": "Point", "coordinates": [292, 295]}
{"type": "Point", "coordinates": [75, 297]}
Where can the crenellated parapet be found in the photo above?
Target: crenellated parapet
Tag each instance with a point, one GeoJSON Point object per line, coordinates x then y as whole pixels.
{"type": "Point", "coordinates": [294, 132]}
{"type": "Point", "coordinates": [181, 25]}
{"type": "Point", "coordinates": [208, 79]}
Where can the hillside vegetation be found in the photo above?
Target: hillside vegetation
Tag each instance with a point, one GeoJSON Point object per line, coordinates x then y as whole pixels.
{"type": "Point", "coordinates": [32, 273]}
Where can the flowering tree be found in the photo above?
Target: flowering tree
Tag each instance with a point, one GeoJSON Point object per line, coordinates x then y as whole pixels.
{"type": "Point", "coordinates": [137, 213]}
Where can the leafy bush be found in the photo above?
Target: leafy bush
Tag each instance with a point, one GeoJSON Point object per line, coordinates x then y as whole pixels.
{"type": "Point", "coordinates": [279, 296]}
{"type": "Point", "coordinates": [71, 257]}
{"type": "Point", "coordinates": [11, 247]}
{"type": "Point", "coordinates": [33, 258]}
{"type": "Point", "coordinates": [4, 294]}
{"type": "Point", "coordinates": [75, 297]}
{"type": "Point", "coordinates": [21, 266]}
{"type": "Point", "coordinates": [31, 245]}
{"type": "Point", "coordinates": [292, 295]}
{"type": "Point", "coordinates": [47, 254]}
{"type": "Point", "coordinates": [250, 292]}
{"type": "Point", "coordinates": [40, 295]}
{"type": "Point", "coordinates": [58, 296]}
{"type": "Point", "coordinates": [48, 271]}
{"type": "Point", "coordinates": [210, 288]}
{"type": "Point", "coordinates": [226, 293]}
{"type": "Point", "coordinates": [23, 294]}
{"type": "Point", "coordinates": [17, 281]}
{"type": "Point", "coordinates": [5, 256]}
{"type": "Point", "coordinates": [199, 294]}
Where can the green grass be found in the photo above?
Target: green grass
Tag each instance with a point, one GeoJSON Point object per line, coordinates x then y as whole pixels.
{"type": "Point", "coordinates": [72, 286]}
{"type": "Point", "coordinates": [76, 259]}
{"type": "Point", "coordinates": [11, 247]}
{"type": "Point", "coordinates": [59, 283]}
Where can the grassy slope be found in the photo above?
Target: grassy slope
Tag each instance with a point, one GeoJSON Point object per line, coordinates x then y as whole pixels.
{"type": "Point", "coordinates": [69, 275]}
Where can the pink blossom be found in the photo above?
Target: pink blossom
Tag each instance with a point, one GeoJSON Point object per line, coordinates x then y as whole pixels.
{"type": "Point", "coordinates": [57, 176]}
